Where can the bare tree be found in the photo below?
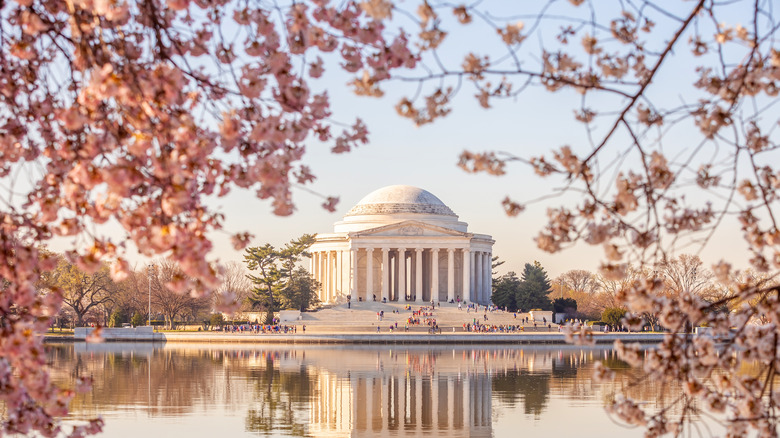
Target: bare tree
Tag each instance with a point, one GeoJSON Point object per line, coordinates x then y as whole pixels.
{"type": "Point", "coordinates": [611, 289]}
{"type": "Point", "coordinates": [81, 291]}
{"type": "Point", "coordinates": [164, 276]}
{"type": "Point", "coordinates": [729, 292]}
{"type": "Point", "coordinates": [581, 286]}
{"type": "Point", "coordinates": [686, 275]}
{"type": "Point", "coordinates": [579, 280]}
{"type": "Point", "coordinates": [235, 287]}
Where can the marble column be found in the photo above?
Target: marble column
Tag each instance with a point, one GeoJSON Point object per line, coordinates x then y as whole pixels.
{"type": "Point", "coordinates": [478, 277]}
{"type": "Point", "coordinates": [323, 278]}
{"type": "Point", "coordinates": [450, 274]}
{"type": "Point", "coordinates": [331, 275]}
{"type": "Point", "coordinates": [418, 276]}
{"type": "Point", "coordinates": [402, 274]}
{"type": "Point", "coordinates": [369, 274]}
{"type": "Point", "coordinates": [488, 272]}
{"type": "Point", "coordinates": [353, 274]}
{"type": "Point", "coordinates": [339, 273]}
{"type": "Point", "coordinates": [315, 259]}
{"type": "Point", "coordinates": [466, 275]}
{"type": "Point", "coordinates": [328, 272]}
{"type": "Point", "coordinates": [435, 274]}
{"type": "Point", "coordinates": [334, 275]}
{"type": "Point", "coordinates": [385, 274]}
{"type": "Point", "coordinates": [482, 285]}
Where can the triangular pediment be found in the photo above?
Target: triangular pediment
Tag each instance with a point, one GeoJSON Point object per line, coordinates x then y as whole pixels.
{"type": "Point", "coordinates": [410, 229]}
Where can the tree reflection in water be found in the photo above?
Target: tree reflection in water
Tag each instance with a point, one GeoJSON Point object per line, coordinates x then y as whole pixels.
{"type": "Point", "coordinates": [280, 398]}
{"type": "Point", "coordinates": [338, 391]}
{"type": "Point", "coordinates": [532, 389]}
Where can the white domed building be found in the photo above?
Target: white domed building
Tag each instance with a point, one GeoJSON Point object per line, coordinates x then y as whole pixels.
{"type": "Point", "coordinates": [401, 243]}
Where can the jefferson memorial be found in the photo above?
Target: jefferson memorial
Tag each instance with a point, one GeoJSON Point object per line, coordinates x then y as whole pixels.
{"type": "Point", "coordinates": [401, 243]}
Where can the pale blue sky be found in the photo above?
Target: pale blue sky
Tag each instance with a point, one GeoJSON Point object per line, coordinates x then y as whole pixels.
{"type": "Point", "coordinates": [531, 125]}
{"type": "Point", "coordinates": [426, 157]}
{"type": "Point", "coordinates": [400, 153]}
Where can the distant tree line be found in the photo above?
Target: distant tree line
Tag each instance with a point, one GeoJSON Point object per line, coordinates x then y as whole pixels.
{"type": "Point", "coordinates": [269, 280]}
{"type": "Point", "coordinates": [589, 296]}
{"type": "Point", "coordinates": [96, 298]}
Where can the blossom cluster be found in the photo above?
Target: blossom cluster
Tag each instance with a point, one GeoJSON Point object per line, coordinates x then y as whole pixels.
{"type": "Point", "coordinates": [137, 113]}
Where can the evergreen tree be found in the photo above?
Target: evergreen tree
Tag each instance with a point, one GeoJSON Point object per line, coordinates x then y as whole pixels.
{"type": "Point", "coordinates": [268, 281]}
{"type": "Point", "coordinates": [504, 290]}
{"type": "Point", "coordinates": [494, 263]}
{"type": "Point", "coordinates": [534, 289]}
{"type": "Point", "coordinates": [292, 252]}
{"type": "Point", "coordinates": [565, 305]}
{"type": "Point", "coordinates": [300, 292]}
{"type": "Point", "coordinates": [277, 281]}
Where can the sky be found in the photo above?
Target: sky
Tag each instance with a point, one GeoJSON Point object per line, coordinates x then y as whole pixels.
{"type": "Point", "coordinates": [426, 157]}
{"type": "Point", "coordinates": [399, 153]}
{"type": "Point", "coordinates": [530, 125]}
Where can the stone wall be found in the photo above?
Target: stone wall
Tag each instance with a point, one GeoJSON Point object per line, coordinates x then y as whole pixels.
{"type": "Point", "coordinates": [145, 333]}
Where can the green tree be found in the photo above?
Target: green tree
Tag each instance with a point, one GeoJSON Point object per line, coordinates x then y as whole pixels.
{"type": "Point", "coordinates": [613, 315]}
{"type": "Point", "coordinates": [495, 263]}
{"type": "Point", "coordinates": [137, 319]}
{"type": "Point", "coordinates": [564, 305]}
{"type": "Point", "coordinates": [217, 320]}
{"type": "Point", "coordinates": [292, 253]}
{"type": "Point", "coordinates": [505, 289]}
{"type": "Point", "coordinates": [275, 275]}
{"type": "Point", "coordinates": [118, 317]}
{"type": "Point", "coordinates": [300, 292]}
{"type": "Point", "coordinates": [268, 280]}
{"type": "Point", "coordinates": [534, 289]}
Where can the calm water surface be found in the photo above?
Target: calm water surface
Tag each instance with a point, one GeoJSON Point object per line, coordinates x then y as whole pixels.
{"type": "Point", "coordinates": [145, 390]}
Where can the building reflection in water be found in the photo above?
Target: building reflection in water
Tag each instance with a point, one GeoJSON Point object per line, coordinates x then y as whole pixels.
{"type": "Point", "coordinates": [408, 405]}
{"type": "Point", "coordinates": [334, 391]}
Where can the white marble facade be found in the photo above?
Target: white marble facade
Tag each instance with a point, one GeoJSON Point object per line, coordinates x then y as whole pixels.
{"type": "Point", "coordinates": [401, 243]}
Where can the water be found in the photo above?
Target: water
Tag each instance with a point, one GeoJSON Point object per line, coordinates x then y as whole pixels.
{"type": "Point", "coordinates": [322, 391]}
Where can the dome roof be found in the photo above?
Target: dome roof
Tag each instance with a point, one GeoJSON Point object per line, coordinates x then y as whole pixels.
{"type": "Point", "coordinates": [400, 199]}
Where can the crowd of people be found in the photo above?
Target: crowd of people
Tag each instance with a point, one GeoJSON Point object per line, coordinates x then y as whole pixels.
{"type": "Point", "coordinates": [261, 329]}
{"type": "Point", "coordinates": [424, 316]}
{"type": "Point", "coordinates": [477, 327]}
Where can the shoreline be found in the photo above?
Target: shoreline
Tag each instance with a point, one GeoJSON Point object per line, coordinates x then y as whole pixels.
{"type": "Point", "coordinates": [372, 338]}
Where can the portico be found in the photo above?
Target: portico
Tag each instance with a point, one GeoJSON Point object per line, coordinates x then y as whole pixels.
{"type": "Point", "coordinates": [401, 243]}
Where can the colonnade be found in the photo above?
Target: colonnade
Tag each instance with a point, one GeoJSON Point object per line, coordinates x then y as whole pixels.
{"type": "Point", "coordinates": [418, 274]}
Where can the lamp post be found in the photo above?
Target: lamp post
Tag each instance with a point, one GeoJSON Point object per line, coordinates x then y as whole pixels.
{"type": "Point", "coordinates": [150, 294]}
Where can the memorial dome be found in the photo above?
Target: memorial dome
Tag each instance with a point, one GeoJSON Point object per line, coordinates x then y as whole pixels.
{"type": "Point", "coordinates": [401, 243]}
{"type": "Point", "coordinates": [400, 199]}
